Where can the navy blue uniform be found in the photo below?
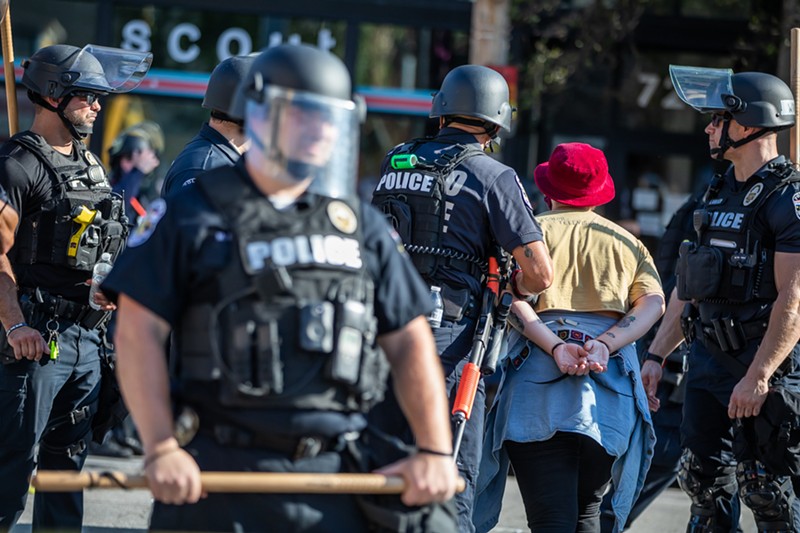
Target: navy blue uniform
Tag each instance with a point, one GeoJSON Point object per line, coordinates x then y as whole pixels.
{"type": "Point", "coordinates": [485, 207]}
{"type": "Point", "coordinates": [208, 149]}
{"type": "Point", "coordinates": [37, 398]}
{"type": "Point", "coordinates": [192, 243]}
{"type": "Point", "coordinates": [706, 431]}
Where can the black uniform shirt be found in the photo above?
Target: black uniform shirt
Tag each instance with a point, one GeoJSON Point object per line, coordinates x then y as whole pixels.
{"type": "Point", "coordinates": [183, 242]}
{"type": "Point", "coordinates": [485, 203]}
{"type": "Point", "coordinates": [780, 215]}
{"type": "Point", "coordinates": [29, 185]}
{"type": "Point", "coordinates": [208, 149]}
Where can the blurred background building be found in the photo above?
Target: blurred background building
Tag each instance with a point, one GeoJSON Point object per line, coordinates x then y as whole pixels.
{"type": "Point", "coordinates": [580, 70]}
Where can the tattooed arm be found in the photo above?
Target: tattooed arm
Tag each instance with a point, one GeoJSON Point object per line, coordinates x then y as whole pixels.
{"type": "Point", "coordinates": [646, 310]}
{"type": "Point", "coordinates": [570, 358]}
{"type": "Point", "coordinates": [536, 268]}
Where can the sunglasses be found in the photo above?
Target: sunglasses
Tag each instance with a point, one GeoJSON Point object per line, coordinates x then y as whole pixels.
{"type": "Point", "coordinates": [719, 118]}
{"type": "Point", "coordinates": [87, 96]}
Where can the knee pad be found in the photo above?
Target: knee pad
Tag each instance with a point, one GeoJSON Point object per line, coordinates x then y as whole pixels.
{"type": "Point", "coordinates": [770, 497]}
{"type": "Point", "coordinates": [703, 484]}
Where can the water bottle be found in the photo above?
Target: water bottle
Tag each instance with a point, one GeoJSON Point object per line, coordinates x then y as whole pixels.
{"type": "Point", "coordinates": [99, 273]}
{"type": "Point", "coordinates": [435, 318]}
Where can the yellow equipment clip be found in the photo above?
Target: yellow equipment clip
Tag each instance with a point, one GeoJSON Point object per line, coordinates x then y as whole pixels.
{"type": "Point", "coordinates": [83, 216]}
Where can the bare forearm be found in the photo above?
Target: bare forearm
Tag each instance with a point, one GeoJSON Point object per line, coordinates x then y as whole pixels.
{"type": "Point", "coordinates": [525, 320]}
{"type": "Point", "coordinates": [669, 335]}
{"type": "Point", "coordinates": [142, 372]}
{"type": "Point", "coordinates": [637, 321]}
{"type": "Point", "coordinates": [419, 383]}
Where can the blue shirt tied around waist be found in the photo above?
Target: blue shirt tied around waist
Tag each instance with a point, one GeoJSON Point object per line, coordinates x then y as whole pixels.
{"type": "Point", "coordinates": [534, 401]}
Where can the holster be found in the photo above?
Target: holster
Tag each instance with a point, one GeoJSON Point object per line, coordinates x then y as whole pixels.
{"type": "Point", "coordinates": [732, 335]}
{"type": "Point", "coordinates": [459, 303]}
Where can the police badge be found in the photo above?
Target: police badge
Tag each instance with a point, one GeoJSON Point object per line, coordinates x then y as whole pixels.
{"type": "Point", "coordinates": [752, 194]}
{"type": "Point", "coordinates": [342, 217]}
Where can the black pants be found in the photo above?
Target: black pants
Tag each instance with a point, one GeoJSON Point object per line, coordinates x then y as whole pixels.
{"type": "Point", "coordinates": [562, 481]}
{"type": "Point", "coordinates": [308, 513]}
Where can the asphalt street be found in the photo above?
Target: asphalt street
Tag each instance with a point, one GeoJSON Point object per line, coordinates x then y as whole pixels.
{"type": "Point", "coordinates": [120, 511]}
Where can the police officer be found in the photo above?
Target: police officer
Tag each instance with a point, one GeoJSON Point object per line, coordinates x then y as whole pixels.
{"type": "Point", "coordinates": [133, 156]}
{"type": "Point", "coordinates": [221, 140]}
{"type": "Point", "coordinates": [51, 339]}
{"type": "Point", "coordinates": [280, 286]}
{"type": "Point", "coordinates": [453, 209]}
{"type": "Point", "coordinates": [740, 274]}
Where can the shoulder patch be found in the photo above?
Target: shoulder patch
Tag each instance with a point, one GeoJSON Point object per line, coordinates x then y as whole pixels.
{"type": "Point", "coordinates": [342, 217]}
{"type": "Point", "coordinates": [524, 194]}
{"type": "Point", "coordinates": [752, 194]}
{"type": "Point", "coordinates": [147, 224]}
{"type": "Point", "coordinates": [796, 202]}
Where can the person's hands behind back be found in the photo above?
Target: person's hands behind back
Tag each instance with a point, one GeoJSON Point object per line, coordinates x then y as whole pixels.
{"type": "Point", "coordinates": [571, 359]}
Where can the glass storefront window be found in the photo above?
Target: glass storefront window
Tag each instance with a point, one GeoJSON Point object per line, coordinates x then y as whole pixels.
{"type": "Point", "coordinates": [408, 57]}
{"type": "Point", "coordinates": [193, 40]}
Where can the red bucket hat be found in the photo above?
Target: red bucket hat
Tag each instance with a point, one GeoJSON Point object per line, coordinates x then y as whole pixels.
{"type": "Point", "coordinates": [576, 175]}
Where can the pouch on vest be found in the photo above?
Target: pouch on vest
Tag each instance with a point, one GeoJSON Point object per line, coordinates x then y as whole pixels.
{"type": "Point", "coordinates": [699, 271]}
{"type": "Point", "coordinates": [253, 367]}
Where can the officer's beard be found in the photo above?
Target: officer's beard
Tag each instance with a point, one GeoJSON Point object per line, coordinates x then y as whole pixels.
{"type": "Point", "coordinates": [78, 126]}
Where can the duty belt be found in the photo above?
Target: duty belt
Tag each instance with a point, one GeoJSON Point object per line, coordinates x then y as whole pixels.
{"type": "Point", "coordinates": [730, 334]}
{"type": "Point", "coordinates": [56, 306]}
{"type": "Point", "coordinates": [296, 447]}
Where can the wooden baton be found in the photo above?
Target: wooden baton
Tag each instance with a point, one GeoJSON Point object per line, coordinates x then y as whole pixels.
{"type": "Point", "coordinates": [8, 67]}
{"type": "Point", "coordinates": [231, 482]}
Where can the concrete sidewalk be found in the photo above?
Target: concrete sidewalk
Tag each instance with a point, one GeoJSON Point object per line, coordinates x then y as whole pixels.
{"type": "Point", "coordinates": [121, 511]}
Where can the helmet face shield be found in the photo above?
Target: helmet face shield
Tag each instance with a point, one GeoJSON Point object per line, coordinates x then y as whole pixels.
{"type": "Point", "coordinates": [119, 70]}
{"type": "Point", "coordinates": [702, 88]}
{"type": "Point", "coordinates": [302, 136]}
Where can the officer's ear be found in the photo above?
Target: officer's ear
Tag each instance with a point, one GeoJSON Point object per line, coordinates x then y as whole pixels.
{"type": "Point", "coordinates": [52, 101]}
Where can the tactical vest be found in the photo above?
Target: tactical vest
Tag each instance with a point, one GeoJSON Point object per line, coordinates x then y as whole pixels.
{"type": "Point", "coordinates": [289, 322]}
{"type": "Point", "coordinates": [411, 195]}
{"type": "Point", "coordinates": [81, 220]}
{"type": "Point", "coordinates": [734, 260]}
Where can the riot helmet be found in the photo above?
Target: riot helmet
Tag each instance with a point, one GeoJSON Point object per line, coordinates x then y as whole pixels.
{"type": "Point", "coordinates": [62, 71]}
{"type": "Point", "coordinates": [223, 84]}
{"type": "Point", "coordinates": [474, 91]}
{"type": "Point", "coordinates": [753, 99]}
{"type": "Point", "coordinates": [301, 118]}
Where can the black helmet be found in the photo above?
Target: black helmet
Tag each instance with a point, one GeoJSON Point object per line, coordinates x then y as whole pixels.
{"type": "Point", "coordinates": [127, 143]}
{"type": "Point", "coordinates": [224, 81]}
{"type": "Point", "coordinates": [299, 67]}
{"type": "Point", "coordinates": [61, 69]}
{"type": "Point", "coordinates": [474, 91]}
{"type": "Point", "coordinates": [760, 100]}
{"type": "Point", "coordinates": [298, 87]}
